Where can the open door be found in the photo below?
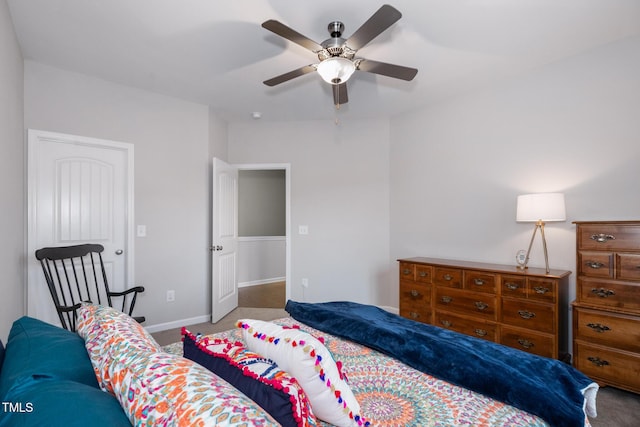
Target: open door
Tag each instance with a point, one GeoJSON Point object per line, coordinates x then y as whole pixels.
{"type": "Point", "coordinates": [224, 240]}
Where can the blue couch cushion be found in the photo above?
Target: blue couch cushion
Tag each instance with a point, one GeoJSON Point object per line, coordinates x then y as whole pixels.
{"type": "Point", "coordinates": [1, 354]}
{"type": "Point", "coordinates": [36, 348]}
{"type": "Point", "coordinates": [39, 401]}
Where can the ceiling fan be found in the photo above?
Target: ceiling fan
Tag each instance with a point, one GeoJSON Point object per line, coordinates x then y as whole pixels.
{"type": "Point", "coordinates": [337, 55]}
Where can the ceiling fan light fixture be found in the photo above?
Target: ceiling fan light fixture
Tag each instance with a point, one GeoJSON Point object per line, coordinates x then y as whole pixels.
{"type": "Point", "coordinates": [336, 70]}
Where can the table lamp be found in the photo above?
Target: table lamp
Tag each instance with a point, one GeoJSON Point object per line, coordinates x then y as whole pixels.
{"type": "Point", "coordinates": [540, 208]}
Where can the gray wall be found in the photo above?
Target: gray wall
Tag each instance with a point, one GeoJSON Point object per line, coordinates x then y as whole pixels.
{"type": "Point", "coordinates": [261, 203]}
{"type": "Point", "coordinates": [12, 176]}
{"type": "Point", "coordinates": [172, 176]}
{"type": "Point", "coordinates": [570, 127]}
{"type": "Point", "coordinates": [339, 189]}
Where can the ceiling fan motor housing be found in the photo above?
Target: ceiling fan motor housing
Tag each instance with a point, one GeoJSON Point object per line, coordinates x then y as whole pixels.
{"type": "Point", "coordinates": [336, 45]}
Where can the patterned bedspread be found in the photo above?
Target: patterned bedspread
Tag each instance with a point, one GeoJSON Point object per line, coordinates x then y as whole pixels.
{"type": "Point", "coordinates": [392, 394]}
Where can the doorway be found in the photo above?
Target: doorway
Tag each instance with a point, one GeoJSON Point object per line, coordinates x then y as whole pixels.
{"type": "Point", "coordinates": [263, 235]}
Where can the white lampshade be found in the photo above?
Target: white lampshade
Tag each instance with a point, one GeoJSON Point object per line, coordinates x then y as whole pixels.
{"type": "Point", "coordinates": [544, 207]}
{"type": "Point", "coordinates": [336, 70]}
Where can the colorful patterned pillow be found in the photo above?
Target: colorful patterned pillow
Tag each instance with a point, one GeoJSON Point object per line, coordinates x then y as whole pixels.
{"type": "Point", "coordinates": [311, 364]}
{"type": "Point", "coordinates": [257, 377]}
{"type": "Point", "coordinates": [107, 331]}
{"type": "Point", "coordinates": [162, 389]}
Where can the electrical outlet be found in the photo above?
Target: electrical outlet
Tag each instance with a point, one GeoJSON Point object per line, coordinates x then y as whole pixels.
{"type": "Point", "coordinates": [171, 296]}
{"type": "Point", "coordinates": [305, 282]}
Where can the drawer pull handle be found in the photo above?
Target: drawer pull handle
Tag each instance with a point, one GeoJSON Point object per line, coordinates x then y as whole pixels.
{"type": "Point", "coordinates": [594, 264]}
{"type": "Point", "coordinates": [526, 314]}
{"type": "Point", "coordinates": [541, 290]}
{"type": "Point", "coordinates": [602, 292]}
{"type": "Point", "coordinates": [602, 238]}
{"type": "Point", "coordinates": [447, 277]}
{"type": "Point", "coordinates": [481, 332]}
{"type": "Point", "coordinates": [406, 271]}
{"type": "Point", "coordinates": [598, 327]}
{"type": "Point", "coordinates": [597, 361]}
{"type": "Point", "coordinates": [414, 293]}
{"type": "Point", "coordinates": [446, 323]}
{"type": "Point", "coordinates": [422, 274]}
{"type": "Point", "coordinates": [481, 305]}
{"type": "Point", "coordinates": [446, 299]}
{"type": "Point", "coordinates": [512, 286]}
{"type": "Point", "coordinates": [478, 282]}
{"type": "Point", "coordinates": [414, 315]}
{"type": "Point", "coordinates": [525, 343]}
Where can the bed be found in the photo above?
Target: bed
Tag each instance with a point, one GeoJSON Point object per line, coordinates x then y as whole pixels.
{"type": "Point", "coordinates": [392, 393]}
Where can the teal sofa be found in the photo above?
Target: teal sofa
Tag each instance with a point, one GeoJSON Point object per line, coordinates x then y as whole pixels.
{"type": "Point", "coordinates": [46, 378]}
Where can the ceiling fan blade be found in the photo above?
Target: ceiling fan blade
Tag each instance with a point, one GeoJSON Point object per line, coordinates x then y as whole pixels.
{"type": "Point", "coordinates": [390, 70]}
{"type": "Point", "coordinates": [282, 30]}
{"type": "Point", "coordinates": [340, 94]}
{"type": "Point", "coordinates": [290, 75]}
{"type": "Point", "coordinates": [385, 17]}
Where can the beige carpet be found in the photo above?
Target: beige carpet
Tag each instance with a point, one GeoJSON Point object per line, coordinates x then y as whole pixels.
{"type": "Point", "coordinates": [228, 322]}
{"type": "Point", "coordinates": [616, 408]}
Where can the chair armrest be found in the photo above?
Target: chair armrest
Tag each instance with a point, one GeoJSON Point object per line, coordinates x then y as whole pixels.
{"type": "Point", "coordinates": [135, 290]}
{"type": "Point", "coordinates": [69, 308]}
{"type": "Point", "coordinates": [127, 291]}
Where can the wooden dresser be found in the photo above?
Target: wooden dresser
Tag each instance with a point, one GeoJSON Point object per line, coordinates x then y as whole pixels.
{"type": "Point", "coordinates": [524, 309]}
{"type": "Point", "coordinates": [606, 312]}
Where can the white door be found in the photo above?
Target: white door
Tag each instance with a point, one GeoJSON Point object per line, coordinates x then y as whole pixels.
{"type": "Point", "coordinates": [80, 190]}
{"type": "Point", "coordinates": [224, 240]}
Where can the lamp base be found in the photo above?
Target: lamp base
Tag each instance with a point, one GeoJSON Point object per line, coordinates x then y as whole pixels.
{"type": "Point", "coordinates": [539, 225]}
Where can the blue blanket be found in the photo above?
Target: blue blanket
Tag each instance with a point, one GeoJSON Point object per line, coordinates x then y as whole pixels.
{"type": "Point", "coordinates": [548, 388]}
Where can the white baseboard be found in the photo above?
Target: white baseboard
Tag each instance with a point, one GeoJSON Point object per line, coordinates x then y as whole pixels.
{"type": "Point", "coordinates": [178, 323]}
{"type": "Point", "coordinates": [261, 282]}
{"type": "Point", "coordinates": [207, 318]}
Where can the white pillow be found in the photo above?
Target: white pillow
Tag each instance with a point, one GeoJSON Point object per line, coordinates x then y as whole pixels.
{"type": "Point", "coordinates": [311, 364]}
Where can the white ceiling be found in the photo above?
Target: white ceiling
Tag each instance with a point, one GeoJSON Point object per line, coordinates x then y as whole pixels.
{"type": "Point", "coordinates": [216, 52]}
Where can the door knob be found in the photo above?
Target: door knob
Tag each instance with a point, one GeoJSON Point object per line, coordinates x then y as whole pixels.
{"type": "Point", "coordinates": [119, 252]}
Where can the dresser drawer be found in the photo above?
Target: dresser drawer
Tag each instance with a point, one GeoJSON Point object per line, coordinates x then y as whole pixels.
{"type": "Point", "coordinates": [424, 273]}
{"type": "Point", "coordinates": [447, 277]}
{"type": "Point", "coordinates": [613, 330]}
{"type": "Point", "coordinates": [542, 289]}
{"type": "Point", "coordinates": [474, 327]}
{"type": "Point", "coordinates": [628, 266]}
{"type": "Point", "coordinates": [417, 312]}
{"type": "Point", "coordinates": [514, 286]}
{"type": "Point", "coordinates": [609, 293]}
{"type": "Point", "coordinates": [471, 303]}
{"type": "Point", "coordinates": [407, 271]}
{"type": "Point", "coordinates": [527, 340]}
{"type": "Point", "coordinates": [527, 314]}
{"type": "Point", "coordinates": [480, 282]}
{"type": "Point", "coordinates": [595, 264]}
{"type": "Point", "coordinates": [613, 367]}
{"type": "Point", "coordinates": [609, 237]}
{"type": "Point", "coordinates": [411, 292]}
